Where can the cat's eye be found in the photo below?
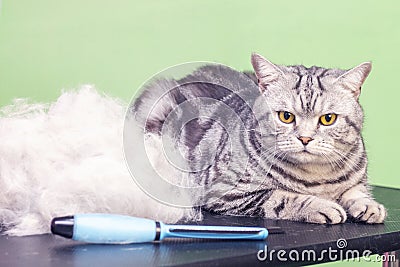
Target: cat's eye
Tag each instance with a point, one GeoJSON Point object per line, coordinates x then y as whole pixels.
{"type": "Point", "coordinates": [286, 116]}
{"type": "Point", "coordinates": [327, 119]}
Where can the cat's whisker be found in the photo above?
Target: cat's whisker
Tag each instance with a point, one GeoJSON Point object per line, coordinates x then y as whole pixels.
{"type": "Point", "coordinates": [345, 160]}
{"type": "Point", "coordinates": [268, 154]}
{"type": "Point", "coordinates": [335, 166]}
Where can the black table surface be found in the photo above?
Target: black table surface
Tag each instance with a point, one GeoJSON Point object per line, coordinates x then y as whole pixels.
{"type": "Point", "coordinates": [49, 250]}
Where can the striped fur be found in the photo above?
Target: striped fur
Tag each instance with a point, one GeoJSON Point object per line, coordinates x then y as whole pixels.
{"type": "Point", "coordinates": [251, 163]}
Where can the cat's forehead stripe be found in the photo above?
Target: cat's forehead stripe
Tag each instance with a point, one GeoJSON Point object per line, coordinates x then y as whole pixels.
{"type": "Point", "coordinates": [308, 86]}
{"type": "Point", "coordinates": [314, 70]}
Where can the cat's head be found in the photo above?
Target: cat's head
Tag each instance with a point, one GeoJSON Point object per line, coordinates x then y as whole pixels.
{"type": "Point", "coordinates": [315, 110]}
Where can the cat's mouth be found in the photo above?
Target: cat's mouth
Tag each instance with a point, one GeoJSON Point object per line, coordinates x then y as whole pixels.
{"type": "Point", "coordinates": [306, 153]}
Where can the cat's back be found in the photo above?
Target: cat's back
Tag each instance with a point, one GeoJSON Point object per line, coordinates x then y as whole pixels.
{"type": "Point", "coordinates": [200, 93]}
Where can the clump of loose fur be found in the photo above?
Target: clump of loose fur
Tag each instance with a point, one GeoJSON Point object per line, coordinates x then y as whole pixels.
{"type": "Point", "coordinates": [67, 158]}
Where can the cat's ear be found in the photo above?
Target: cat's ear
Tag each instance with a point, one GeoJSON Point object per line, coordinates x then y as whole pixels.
{"type": "Point", "coordinates": [266, 72]}
{"type": "Point", "coordinates": [353, 79]}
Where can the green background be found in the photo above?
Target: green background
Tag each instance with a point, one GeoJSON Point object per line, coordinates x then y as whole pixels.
{"type": "Point", "coordinates": [47, 46]}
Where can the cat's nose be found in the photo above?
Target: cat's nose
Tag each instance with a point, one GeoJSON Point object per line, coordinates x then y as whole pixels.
{"type": "Point", "coordinates": [305, 140]}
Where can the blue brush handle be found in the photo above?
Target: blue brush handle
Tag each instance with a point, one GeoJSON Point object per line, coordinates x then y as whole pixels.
{"type": "Point", "coordinates": [110, 228]}
{"type": "Point", "coordinates": [120, 229]}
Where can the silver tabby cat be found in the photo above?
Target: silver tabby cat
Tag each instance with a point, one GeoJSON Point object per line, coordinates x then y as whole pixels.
{"type": "Point", "coordinates": [292, 149]}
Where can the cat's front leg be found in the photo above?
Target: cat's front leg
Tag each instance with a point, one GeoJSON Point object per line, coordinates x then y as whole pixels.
{"type": "Point", "coordinates": [361, 206]}
{"type": "Point", "coordinates": [306, 208]}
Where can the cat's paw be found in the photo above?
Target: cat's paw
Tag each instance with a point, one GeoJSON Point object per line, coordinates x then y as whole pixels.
{"type": "Point", "coordinates": [367, 210]}
{"type": "Point", "coordinates": [323, 212]}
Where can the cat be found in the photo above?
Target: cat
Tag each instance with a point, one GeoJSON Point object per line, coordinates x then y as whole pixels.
{"type": "Point", "coordinates": [282, 142]}
{"type": "Point", "coordinates": [292, 149]}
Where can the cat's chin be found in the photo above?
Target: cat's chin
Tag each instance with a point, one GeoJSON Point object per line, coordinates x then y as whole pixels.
{"type": "Point", "coordinates": [305, 156]}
